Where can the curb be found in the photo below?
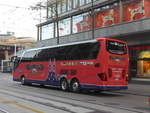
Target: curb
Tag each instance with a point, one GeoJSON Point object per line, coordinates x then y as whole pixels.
{"type": "Point", "coordinates": [139, 81]}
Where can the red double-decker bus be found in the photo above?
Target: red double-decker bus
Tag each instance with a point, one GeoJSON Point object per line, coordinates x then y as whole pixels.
{"type": "Point", "coordinates": [100, 64]}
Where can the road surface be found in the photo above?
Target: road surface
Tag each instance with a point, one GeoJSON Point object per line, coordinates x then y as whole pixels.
{"type": "Point", "coordinates": [17, 98]}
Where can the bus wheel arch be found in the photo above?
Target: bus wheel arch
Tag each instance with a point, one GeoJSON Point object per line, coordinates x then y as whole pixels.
{"type": "Point", "coordinates": [64, 84]}
{"type": "Point", "coordinates": [75, 85]}
{"type": "Point", "coordinates": [22, 79]}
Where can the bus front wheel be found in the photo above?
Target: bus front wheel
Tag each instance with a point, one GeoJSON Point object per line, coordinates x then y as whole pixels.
{"type": "Point", "coordinates": [23, 80]}
{"type": "Point", "coordinates": [64, 85]}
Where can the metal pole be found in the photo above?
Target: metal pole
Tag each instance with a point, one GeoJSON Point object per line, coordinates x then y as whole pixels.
{"type": "Point", "coordinates": [121, 11]}
{"type": "Point", "coordinates": [93, 19]}
{"type": "Point", "coordinates": [47, 10]}
{"type": "Point", "coordinates": [57, 21]}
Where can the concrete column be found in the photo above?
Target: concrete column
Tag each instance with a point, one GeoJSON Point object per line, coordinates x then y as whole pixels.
{"type": "Point", "coordinates": [38, 31]}
{"type": "Point", "coordinates": [6, 55]}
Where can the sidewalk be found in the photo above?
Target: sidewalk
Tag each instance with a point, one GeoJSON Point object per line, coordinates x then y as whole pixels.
{"type": "Point", "coordinates": [140, 81]}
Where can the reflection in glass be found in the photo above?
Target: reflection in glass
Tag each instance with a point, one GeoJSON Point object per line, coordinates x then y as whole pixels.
{"type": "Point", "coordinates": [76, 3]}
{"type": "Point", "coordinates": [82, 2]}
{"type": "Point", "coordinates": [69, 4]}
{"type": "Point", "coordinates": [64, 27]}
{"type": "Point", "coordinates": [48, 31]}
{"type": "Point", "coordinates": [64, 6]}
{"type": "Point", "coordinates": [81, 23]}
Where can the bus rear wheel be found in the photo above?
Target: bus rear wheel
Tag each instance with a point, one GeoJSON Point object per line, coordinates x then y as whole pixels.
{"type": "Point", "coordinates": [75, 86]}
{"type": "Point", "coordinates": [64, 85]}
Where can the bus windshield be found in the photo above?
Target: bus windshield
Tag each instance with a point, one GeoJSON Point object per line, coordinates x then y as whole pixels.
{"type": "Point", "coordinates": [116, 47]}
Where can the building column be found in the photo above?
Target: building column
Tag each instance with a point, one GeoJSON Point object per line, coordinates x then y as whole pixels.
{"type": "Point", "coordinates": [38, 36]}
{"type": "Point", "coordinates": [6, 55]}
{"type": "Point", "coordinates": [71, 25]}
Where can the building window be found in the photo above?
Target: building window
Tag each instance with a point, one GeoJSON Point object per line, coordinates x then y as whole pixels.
{"type": "Point", "coordinates": [82, 2]}
{"type": "Point", "coordinates": [59, 8]}
{"type": "Point", "coordinates": [47, 31]}
{"type": "Point", "coordinates": [81, 23]}
{"type": "Point", "coordinates": [64, 6]}
{"type": "Point", "coordinates": [53, 10]}
{"type": "Point", "coordinates": [89, 1]}
{"type": "Point", "coordinates": [76, 4]}
{"type": "Point", "coordinates": [69, 4]}
{"type": "Point", "coordinates": [64, 27]}
{"type": "Point", "coordinates": [49, 12]}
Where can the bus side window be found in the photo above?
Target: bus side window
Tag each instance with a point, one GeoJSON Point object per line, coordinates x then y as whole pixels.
{"type": "Point", "coordinates": [41, 67]}
{"type": "Point", "coordinates": [43, 54]}
{"type": "Point", "coordinates": [29, 55]}
{"type": "Point", "coordinates": [34, 66]}
{"type": "Point", "coordinates": [95, 50]}
{"type": "Point", "coordinates": [73, 52]}
{"type": "Point", "coordinates": [28, 67]}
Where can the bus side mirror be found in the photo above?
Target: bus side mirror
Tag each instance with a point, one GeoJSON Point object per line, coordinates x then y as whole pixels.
{"type": "Point", "coordinates": [13, 58]}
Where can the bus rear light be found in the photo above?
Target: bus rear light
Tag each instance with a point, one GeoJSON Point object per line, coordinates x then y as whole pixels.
{"type": "Point", "coordinates": [127, 78]}
{"type": "Point", "coordinates": [97, 65]}
{"type": "Point", "coordinates": [123, 73]}
{"type": "Point", "coordinates": [102, 76]}
{"type": "Point", "coordinates": [110, 72]}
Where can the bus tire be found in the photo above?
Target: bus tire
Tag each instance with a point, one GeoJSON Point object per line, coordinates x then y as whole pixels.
{"type": "Point", "coordinates": [64, 85]}
{"type": "Point", "coordinates": [23, 80]}
{"type": "Point", "coordinates": [75, 85]}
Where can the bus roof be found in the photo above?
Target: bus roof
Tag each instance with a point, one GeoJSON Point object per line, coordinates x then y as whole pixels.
{"type": "Point", "coordinates": [74, 43]}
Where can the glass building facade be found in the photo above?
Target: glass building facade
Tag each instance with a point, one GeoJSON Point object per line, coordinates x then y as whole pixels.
{"type": "Point", "coordinates": [106, 15]}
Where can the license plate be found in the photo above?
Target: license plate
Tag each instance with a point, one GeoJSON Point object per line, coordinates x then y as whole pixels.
{"type": "Point", "coordinates": [117, 77]}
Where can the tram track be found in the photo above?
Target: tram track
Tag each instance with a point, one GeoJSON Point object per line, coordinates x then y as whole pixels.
{"type": "Point", "coordinates": [64, 102]}
{"type": "Point", "coordinates": [132, 93]}
{"type": "Point", "coordinates": [125, 92]}
{"type": "Point", "coordinates": [3, 111]}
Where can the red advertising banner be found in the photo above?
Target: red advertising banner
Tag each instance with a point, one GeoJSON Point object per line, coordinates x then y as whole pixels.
{"type": "Point", "coordinates": [108, 17]}
{"type": "Point", "coordinates": [136, 9]}
{"type": "Point", "coordinates": [132, 10]}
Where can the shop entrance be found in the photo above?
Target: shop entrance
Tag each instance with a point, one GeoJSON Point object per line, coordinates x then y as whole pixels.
{"type": "Point", "coordinates": [143, 64]}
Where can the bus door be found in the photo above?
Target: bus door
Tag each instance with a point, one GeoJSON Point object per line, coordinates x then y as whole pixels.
{"type": "Point", "coordinates": [15, 62]}
{"type": "Point", "coordinates": [52, 72]}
